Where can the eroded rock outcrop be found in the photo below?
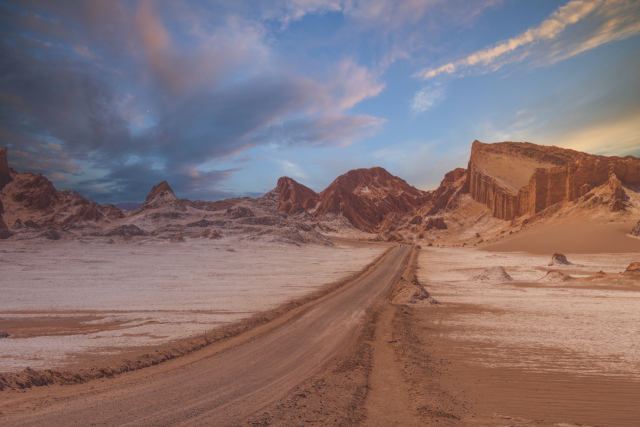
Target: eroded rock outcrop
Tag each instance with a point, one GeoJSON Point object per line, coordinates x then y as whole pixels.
{"type": "Point", "coordinates": [558, 259]}
{"type": "Point", "coordinates": [493, 274]}
{"type": "Point", "coordinates": [5, 233]}
{"type": "Point", "coordinates": [294, 197]}
{"type": "Point", "coordinates": [366, 196]}
{"type": "Point", "coordinates": [516, 178]}
{"type": "Point", "coordinates": [411, 293]}
{"type": "Point", "coordinates": [5, 171]}
{"type": "Point", "coordinates": [636, 230]}
{"type": "Point", "coordinates": [162, 198]}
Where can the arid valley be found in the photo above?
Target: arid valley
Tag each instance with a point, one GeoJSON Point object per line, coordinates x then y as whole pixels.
{"type": "Point", "coordinates": [508, 296]}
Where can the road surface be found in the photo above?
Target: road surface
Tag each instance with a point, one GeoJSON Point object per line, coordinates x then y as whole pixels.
{"type": "Point", "coordinates": [224, 388]}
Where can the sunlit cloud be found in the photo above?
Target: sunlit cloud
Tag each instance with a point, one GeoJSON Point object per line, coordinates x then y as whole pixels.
{"type": "Point", "coordinates": [614, 19]}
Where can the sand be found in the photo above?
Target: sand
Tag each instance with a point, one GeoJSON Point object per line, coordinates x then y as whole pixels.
{"type": "Point", "coordinates": [65, 299]}
{"type": "Point", "coordinates": [579, 237]}
{"type": "Point", "coordinates": [534, 351]}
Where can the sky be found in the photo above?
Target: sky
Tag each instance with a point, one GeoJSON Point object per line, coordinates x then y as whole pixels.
{"type": "Point", "coordinates": [221, 98]}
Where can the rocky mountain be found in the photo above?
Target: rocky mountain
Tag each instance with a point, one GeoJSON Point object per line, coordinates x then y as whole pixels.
{"type": "Point", "coordinates": [31, 202]}
{"type": "Point", "coordinates": [508, 180]}
{"type": "Point", "coordinates": [506, 186]}
{"type": "Point", "coordinates": [366, 196]}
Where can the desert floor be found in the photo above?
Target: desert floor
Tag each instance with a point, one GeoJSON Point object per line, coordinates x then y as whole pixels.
{"type": "Point", "coordinates": [518, 353]}
{"type": "Point", "coordinates": [526, 352]}
{"type": "Point", "coordinates": [66, 302]}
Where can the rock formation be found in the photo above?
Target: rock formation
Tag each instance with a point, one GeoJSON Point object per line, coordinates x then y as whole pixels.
{"type": "Point", "coordinates": [220, 205]}
{"type": "Point", "coordinates": [493, 274]}
{"type": "Point", "coordinates": [559, 259]}
{"type": "Point", "coordinates": [633, 271]}
{"type": "Point", "coordinates": [4, 230]}
{"type": "Point", "coordinates": [294, 197]}
{"type": "Point", "coordinates": [411, 293]}
{"type": "Point", "coordinates": [35, 202]}
{"type": "Point", "coordinates": [161, 197]}
{"type": "Point", "coordinates": [555, 276]}
{"type": "Point", "coordinates": [636, 230]}
{"type": "Point", "coordinates": [5, 172]}
{"type": "Point", "coordinates": [366, 196]}
{"type": "Point", "coordinates": [517, 178]}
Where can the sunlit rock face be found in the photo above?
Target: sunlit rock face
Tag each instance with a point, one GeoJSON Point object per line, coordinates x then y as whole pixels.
{"type": "Point", "coordinates": [515, 178]}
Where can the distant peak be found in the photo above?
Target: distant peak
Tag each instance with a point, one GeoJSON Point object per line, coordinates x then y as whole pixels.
{"type": "Point", "coordinates": [159, 189]}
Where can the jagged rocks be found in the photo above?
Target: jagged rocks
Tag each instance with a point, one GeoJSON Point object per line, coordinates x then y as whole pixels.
{"type": "Point", "coordinates": [3, 334]}
{"type": "Point", "coordinates": [294, 197]}
{"type": "Point", "coordinates": [159, 190]}
{"type": "Point", "coordinates": [51, 234]}
{"type": "Point", "coordinates": [558, 259]}
{"type": "Point", "coordinates": [240, 212]}
{"type": "Point", "coordinates": [201, 223]}
{"type": "Point", "coordinates": [5, 171]}
{"type": "Point", "coordinates": [633, 271]}
{"type": "Point", "coordinates": [366, 196]}
{"type": "Point", "coordinates": [437, 223]}
{"type": "Point", "coordinates": [4, 230]}
{"type": "Point", "coordinates": [493, 274]}
{"type": "Point", "coordinates": [161, 197]}
{"type": "Point", "coordinates": [636, 230]}
{"type": "Point", "coordinates": [124, 230]}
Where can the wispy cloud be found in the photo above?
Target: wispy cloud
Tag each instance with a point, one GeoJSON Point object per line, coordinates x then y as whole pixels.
{"type": "Point", "coordinates": [425, 98]}
{"type": "Point", "coordinates": [606, 21]}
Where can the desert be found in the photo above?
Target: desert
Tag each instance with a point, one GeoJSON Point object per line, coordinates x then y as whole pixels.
{"type": "Point", "coordinates": [480, 320]}
{"type": "Point", "coordinates": [341, 213]}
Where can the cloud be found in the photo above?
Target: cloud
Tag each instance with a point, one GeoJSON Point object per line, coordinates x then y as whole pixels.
{"type": "Point", "coordinates": [425, 98]}
{"type": "Point", "coordinates": [132, 94]}
{"type": "Point", "coordinates": [604, 20]}
{"type": "Point", "coordinates": [292, 169]}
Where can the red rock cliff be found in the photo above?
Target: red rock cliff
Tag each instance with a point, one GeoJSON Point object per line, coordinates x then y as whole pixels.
{"type": "Point", "coordinates": [516, 178]}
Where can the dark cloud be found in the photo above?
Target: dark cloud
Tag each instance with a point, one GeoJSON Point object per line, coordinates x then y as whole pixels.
{"type": "Point", "coordinates": [117, 96]}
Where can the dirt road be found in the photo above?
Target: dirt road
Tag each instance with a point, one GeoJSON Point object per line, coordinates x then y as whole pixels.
{"type": "Point", "coordinates": [211, 387]}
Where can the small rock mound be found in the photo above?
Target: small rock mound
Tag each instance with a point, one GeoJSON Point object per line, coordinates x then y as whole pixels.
{"type": "Point", "coordinates": [177, 239]}
{"type": "Point", "coordinates": [559, 259]}
{"type": "Point", "coordinates": [555, 276]}
{"type": "Point", "coordinates": [636, 230]}
{"type": "Point", "coordinates": [412, 294]}
{"type": "Point", "coordinates": [3, 334]}
{"type": "Point", "coordinates": [493, 274]}
{"type": "Point", "coordinates": [599, 275]}
{"type": "Point", "coordinates": [124, 230]}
